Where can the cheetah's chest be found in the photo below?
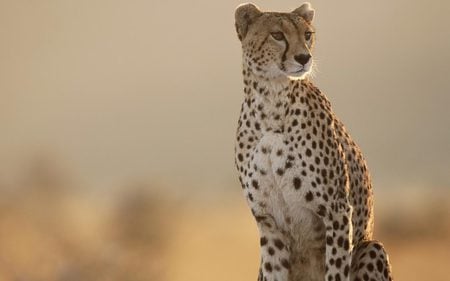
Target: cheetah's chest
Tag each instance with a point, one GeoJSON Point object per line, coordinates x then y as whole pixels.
{"type": "Point", "coordinates": [274, 161]}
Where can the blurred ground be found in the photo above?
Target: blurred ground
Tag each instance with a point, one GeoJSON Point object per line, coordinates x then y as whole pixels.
{"type": "Point", "coordinates": [52, 231]}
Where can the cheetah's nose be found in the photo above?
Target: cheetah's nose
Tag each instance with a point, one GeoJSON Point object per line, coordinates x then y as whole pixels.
{"type": "Point", "coordinates": [302, 59]}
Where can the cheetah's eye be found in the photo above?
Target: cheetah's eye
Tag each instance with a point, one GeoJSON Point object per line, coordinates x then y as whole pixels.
{"type": "Point", "coordinates": [308, 35]}
{"type": "Point", "coordinates": [277, 36]}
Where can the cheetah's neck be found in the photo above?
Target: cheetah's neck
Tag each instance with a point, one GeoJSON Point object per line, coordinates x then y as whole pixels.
{"type": "Point", "coordinates": [268, 101]}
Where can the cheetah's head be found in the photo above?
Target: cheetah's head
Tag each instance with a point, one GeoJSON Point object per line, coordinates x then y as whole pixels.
{"type": "Point", "coordinates": [276, 45]}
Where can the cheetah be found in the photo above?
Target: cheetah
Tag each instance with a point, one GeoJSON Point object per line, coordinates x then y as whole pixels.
{"type": "Point", "coordinates": [304, 178]}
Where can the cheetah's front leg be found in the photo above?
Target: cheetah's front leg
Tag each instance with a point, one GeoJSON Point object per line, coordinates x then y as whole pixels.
{"type": "Point", "coordinates": [262, 192]}
{"type": "Point", "coordinates": [338, 249]}
{"type": "Point", "coordinates": [275, 252]}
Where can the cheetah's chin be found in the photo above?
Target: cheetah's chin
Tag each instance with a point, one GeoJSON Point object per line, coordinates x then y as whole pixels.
{"type": "Point", "coordinates": [299, 74]}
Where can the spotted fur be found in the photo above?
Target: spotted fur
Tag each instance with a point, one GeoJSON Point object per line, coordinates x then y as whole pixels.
{"type": "Point", "coordinates": [304, 178]}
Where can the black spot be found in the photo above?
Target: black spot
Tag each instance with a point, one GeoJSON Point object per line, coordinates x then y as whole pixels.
{"type": "Point", "coordinates": [297, 183]}
{"type": "Point", "coordinates": [330, 191]}
{"type": "Point", "coordinates": [379, 266]}
{"type": "Point", "coordinates": [263, 241]}
{"type": "Point", "coordinates": [322, 211]}
{"type": "Point", "coordinates": [268, 267]}
{"type": "Point", "coordinates": [288, 165]}
{"type": "Point", "coordinates": [285, 264]}
{"type": "Point", "coordinates": [255, 184]}
{"type": "Point", "coordinates": [345, 220]}
{"type": "Point", "coordinates": [335, 225]}
{"type": "Point", "coordinates": [340, 241]}
{"type": "Point", "coordinates": [309, 196]}
{"type": "Point", "coordinates": [330, 241]}
{"type": "Point", "coordinates": [240, 157]}
{"type": "Point", "coordinates": [346, 270]}
{"type": "Point", "coordinates": [346, 244]}
{"type": "Point", "coordinates": [308, 152]}
{"type": "Point", "coordinates": [259, 218]}
{"type": "Point", "coordinates": [278, 243]}
{"type": "Point", "coordinates": [317, 160]}
{"type": "Point", "coordinates": [271, 251]}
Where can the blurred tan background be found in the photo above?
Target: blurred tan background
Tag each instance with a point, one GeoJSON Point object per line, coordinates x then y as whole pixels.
{"type": "Point", "coordinates": [117, 122]}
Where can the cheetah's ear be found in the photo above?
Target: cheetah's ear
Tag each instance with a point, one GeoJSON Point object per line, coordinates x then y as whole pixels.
{"type": "Point", "coordinates": [305, 11]}
{"type": "Point", "coordinates": [245, 15]}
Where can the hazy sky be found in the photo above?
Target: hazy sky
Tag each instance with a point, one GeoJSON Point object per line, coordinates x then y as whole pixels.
{"type": "Point", "coordinates": [134, 90]}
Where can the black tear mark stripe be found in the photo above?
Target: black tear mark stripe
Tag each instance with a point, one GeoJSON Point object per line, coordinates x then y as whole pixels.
{"type": "Point", "coordinates": [262, 43]}
{"type": "Point", "coordinates": [283, 58]}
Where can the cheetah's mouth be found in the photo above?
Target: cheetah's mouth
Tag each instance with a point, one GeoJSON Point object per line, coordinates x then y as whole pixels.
{"type": "Point", "coordinates": [301, 70]}
{"type": "Point", "coordinates": [297, 73]}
